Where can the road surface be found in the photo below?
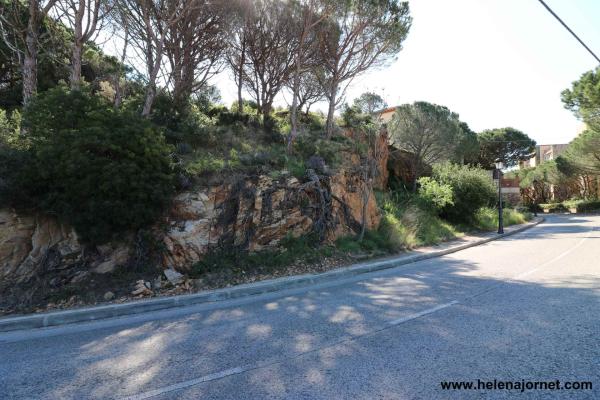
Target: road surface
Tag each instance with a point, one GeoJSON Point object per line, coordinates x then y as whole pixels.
{"type": "Point", "coordinates": [522, 309]}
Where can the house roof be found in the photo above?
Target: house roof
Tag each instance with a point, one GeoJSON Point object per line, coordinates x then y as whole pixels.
{"type": "Point", "coordinates": [385, 110]}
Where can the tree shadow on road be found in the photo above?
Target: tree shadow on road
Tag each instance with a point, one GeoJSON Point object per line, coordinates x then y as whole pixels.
{"type": "Point", "coordinates": [339, 341]}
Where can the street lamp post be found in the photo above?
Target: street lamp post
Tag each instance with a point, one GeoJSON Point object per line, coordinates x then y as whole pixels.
{"type": "Point", "coordinates": [499, 166]}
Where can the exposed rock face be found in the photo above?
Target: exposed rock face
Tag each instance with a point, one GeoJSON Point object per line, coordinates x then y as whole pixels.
{"type": "Point", "coordinates": [246, 213]}
{"type": "Point", "coordinates": [40, 247]}
{"type": "Point", "coordinates": [255, 213]}
{"type": "Point", "coordinates": [399, 165]}
{"type": "Point", "coordinates": [383, 155]}
{"type": "Point", "coordinates": [379, 151]}
{"type": "Point", "coordinates": [30, 244]}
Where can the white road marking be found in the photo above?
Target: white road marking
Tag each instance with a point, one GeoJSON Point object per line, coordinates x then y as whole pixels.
{"type": "Point", "coordinates": [422, 313]}
{"type": "Point", "coordinates": [183, 385]}
{"type": "Point", "coordinates": [239, 370]}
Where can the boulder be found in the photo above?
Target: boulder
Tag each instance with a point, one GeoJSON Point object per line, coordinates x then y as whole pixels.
{"type": "Point", "coordinates": [173, 276]}
{"type": "Point", "coordinates": [142, 288]}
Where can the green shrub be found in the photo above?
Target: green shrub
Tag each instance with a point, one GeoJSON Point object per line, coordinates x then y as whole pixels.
{"type": "Point", "coordinates": [486, 218]}
{"type": "Point", "coordinates": [352, 116]}
{"type": "Point", "coordinates": [296, 167]}
{"type": "Point", "coordinates": [195, 127]}
{"type": "Point", "coordinates": [583, 205]}
{"type": "Point", "coordinates": [398, 235]}
{"type": "Point", "coordinates": [9, 127]}
{"type": "Point", "coordinates": [407, 222]}
{"type": "Point", "coordinates": [552, 207]}
{"type": "Point", "coordinates": [104, 171]}
{"type": "Point", "coordinates": [472, 188]}
{"type": "Point", "coordinates": [306, 146]}
{"type": "Point", "coordinates": [434, 194]}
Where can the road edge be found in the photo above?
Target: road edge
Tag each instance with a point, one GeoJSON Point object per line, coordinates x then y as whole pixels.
{"type": "Point", "coordinates": [94, 313]}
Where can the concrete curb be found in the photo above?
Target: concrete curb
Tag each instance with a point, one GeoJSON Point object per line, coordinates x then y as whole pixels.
{"type": "Point", "coordinates": [57, 318]}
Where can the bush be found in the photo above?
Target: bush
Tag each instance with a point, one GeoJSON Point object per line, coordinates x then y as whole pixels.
{"type": "Point", "coordinates": [552, 207]}
{"type": "Point", "coordinates": [486, 218]}
{"type": "Point", "coordinates": [307, 146]}
{"type": "Point", "coordinates": [408, 223]}
{"type": "Point", "coordinates": [352, 116]}
{"type": "Point", "coordinates": [472, 188]}
{"type": "Point", "coordinates": [104, 171]}
{"type": "Point", "coordinates": [195, 127]}
{"type": "Point", "coordinates": [397, 234]}
{"type": "Point", "coordinates": [434, 194]}
{"type": "Point", "coordinates": [583, 205]}
{"type": "Point", "coordinates": [9, 127]}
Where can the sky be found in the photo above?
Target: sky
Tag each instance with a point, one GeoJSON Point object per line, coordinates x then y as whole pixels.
{"type": "Point", "coordinates": [496, 63]}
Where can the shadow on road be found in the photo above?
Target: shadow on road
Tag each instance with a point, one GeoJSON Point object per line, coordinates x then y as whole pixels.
{"type": "Point", "coordinates": [335, 343]}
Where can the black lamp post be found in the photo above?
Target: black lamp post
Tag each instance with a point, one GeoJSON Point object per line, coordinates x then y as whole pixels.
{"type": "Point", "coordinates": [499, 166]}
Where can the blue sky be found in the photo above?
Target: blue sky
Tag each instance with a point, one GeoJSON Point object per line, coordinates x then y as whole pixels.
{"type": "Point", "coordinates": [495, 62]}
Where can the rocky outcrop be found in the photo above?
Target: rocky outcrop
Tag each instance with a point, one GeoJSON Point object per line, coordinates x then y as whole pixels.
{"type": "Point", "coordinates": [31, 244]}
{"type": "Point", "coordinates": [249, 213]}
{"type": "Point", "coordinates": [399, 166]}
{"type": "Point", "coordinates": [256, 213]}
{"type": "Point", "coordinates": [378, 150]}
{"type": "Point", "coordinates": [382, 153]}
{"type": "Point", "coordinates": [38, 246]}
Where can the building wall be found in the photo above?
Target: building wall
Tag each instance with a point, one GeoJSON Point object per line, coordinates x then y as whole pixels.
{"type": "Point", "coordinates": [387, 114]}
{"type": "Point", "coordinates": [544, 152]}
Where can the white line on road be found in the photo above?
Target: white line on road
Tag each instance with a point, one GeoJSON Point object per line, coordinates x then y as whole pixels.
{"type": "Point", "coordinates": [422, 313]}
{"type": "Point", "coordinates": [239, 370]}
{"type": "Point", "coordinates": [183, 385]}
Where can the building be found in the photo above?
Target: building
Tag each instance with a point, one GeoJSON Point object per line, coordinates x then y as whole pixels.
{"type": "Point", "coordinates": [544, 152]}
{"type": "Point", "coordinates": [511, 189]}
{"type": "Point", "coordinates": [386, 114]}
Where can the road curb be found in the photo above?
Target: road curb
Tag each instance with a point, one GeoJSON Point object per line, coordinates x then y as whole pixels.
{"type": "Point", "coordinates": [56, 318]}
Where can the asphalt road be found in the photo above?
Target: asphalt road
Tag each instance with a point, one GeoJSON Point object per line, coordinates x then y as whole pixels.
{"type": "Point", "coordinates": [523, 308]}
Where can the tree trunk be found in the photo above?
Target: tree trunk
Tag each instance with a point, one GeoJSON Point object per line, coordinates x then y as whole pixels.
{"type": "Point", "coordinates": [151, 90]}
{"type": "Point", "coordinates": [331, 110]}
{"type": "Point", "coordinates": [240, 99]}
{"type": "Point", "coordinates": [416, 171]}
{"type": "Point", "coordinates": [295, 90]}
{"type": "Point", "coordinates": [77, 46]}
{"type": "Point", "coordinates": [29, 70]}
{"type": "Point", "coordinates": [30, 56]}
{"type": "Point", "coordinates": [76, 65]}
{"type": "Point", "coordinates": [240, 77]}
{"type": "Point", "coordinates": [294, 109]}
{"type": "Point", "coordinates": [118, 89]}
{"type": "Point", "coordinates": [266, 109]}
{"type": "Point", "coordinates": [150, 94]}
